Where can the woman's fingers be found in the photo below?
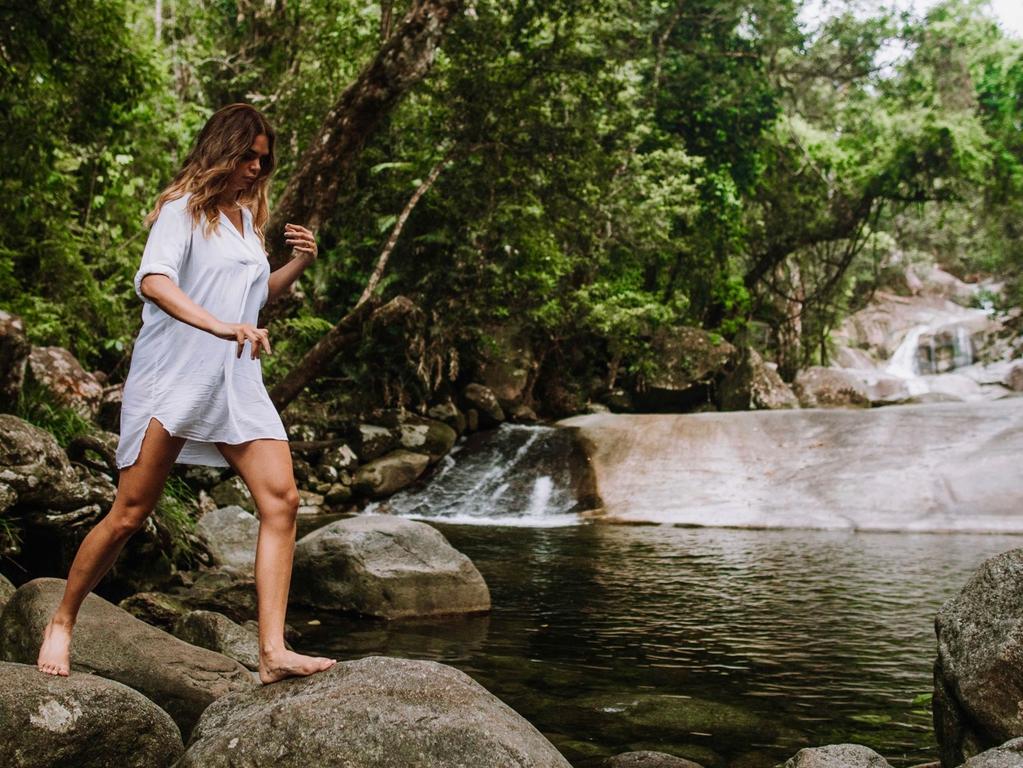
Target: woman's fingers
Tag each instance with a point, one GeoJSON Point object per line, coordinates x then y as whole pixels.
{"type": "Point", "coordinates": [259, 337]}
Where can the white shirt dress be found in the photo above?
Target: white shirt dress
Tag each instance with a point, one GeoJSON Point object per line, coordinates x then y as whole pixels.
{"type": "Point", "coordinates": [193, 382]}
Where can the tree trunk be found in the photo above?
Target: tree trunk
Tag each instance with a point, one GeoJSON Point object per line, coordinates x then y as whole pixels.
{"type": "Point", "coordinates": [347, 331]}
{"type": "Point", "coordinates": [327, 165]}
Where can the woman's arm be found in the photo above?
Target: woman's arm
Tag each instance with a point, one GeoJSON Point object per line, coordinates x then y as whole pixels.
{"type": "Point", "coordinates": [303, 242]}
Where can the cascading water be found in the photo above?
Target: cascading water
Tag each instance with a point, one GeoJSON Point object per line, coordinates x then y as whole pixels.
{"type": "Point", "coordinates": [931, 350]}
{"type": "Point", "coordinates": [514, 475]}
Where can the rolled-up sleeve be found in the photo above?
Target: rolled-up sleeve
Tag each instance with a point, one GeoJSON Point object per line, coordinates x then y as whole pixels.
{"type": "Point", "coordinates": [167, 246]}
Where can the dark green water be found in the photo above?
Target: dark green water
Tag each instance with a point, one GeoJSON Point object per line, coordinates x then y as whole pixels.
{"type": "Point", "coordinates": [733, 648]}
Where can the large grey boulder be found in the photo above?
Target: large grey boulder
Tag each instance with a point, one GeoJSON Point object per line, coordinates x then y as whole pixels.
{"type": "Point", "coordinates": [978, 677]}
{"type": "Point", "coordinates": [837, 756]}
{"type": "Point", "coordinates": [37, 469]}
{"type": "Point", "coordinates": [753, 385]}
{"type": "Point", "coordinates": [429, 436]}
{"type": "Point", "coordinates": [110, 642]}
{"type": "Point", "coordinates": [212, 630]}
{"type": "Point", "coordinates": [385, 566]}
{"type": "Point", "coordinates": [482, 399]}
{"type": "Point", "coordinates": [84, 721]}
{"type": "Point", "coordinates": [390, 473]}
{"type": "Point", "coordinates": [819, 387]}
{"type": "Point", "coordinates": [231, 533]}
{"type": "Point", "coordinates": [367, 713]}
{"type": "Point", "coordinates": [691, 360]}
{"type": "Point", "coordinates": [1009, 755]}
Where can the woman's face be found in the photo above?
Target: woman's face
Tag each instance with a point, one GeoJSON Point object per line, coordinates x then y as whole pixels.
{"type": "Point", "coordinates": [248, 169]}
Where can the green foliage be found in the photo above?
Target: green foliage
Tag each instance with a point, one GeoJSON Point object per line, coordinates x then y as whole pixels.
{"type": "Point", "coordinates": [614, 166]}
{"type": "Point", "coordinates": [36, 406]}
{"type": "Point", "coordinates": [175, 516]}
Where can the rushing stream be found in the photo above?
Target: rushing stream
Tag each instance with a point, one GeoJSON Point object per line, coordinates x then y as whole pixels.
{"type": "Point", "coordinates": [731, 647]}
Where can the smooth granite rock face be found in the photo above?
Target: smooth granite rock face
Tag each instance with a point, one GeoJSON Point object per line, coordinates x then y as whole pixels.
{"type": "Point", "coordinates": [978, 675]}
{"type": "Point", "coordinates": [376, 711]}
{"type": "Point", "coordinates": [81, 720]}
{"type": "Point", "coordinates": [838, 756]}
{"type": "Point", "coordinates": [108, 641]}
{"type": "Point", "coordinates": [385, 566]}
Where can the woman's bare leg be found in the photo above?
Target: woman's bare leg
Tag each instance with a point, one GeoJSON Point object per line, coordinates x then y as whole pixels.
{"type": "Point", "coordinates": [138, 489]}
{"type": "Point", "coordinates": [265, 466]}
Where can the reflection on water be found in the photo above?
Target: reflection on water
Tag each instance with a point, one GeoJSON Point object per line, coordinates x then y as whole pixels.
{"type": "Point", "coordinates": [730, 647]}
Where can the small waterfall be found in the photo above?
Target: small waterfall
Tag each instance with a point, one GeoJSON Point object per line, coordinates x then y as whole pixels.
{"type": "Point", "coordinates": [929, 350]}
{"type": "Point", "coordinates": [904, 363]}
{"type": "Point", "coordinates": [514, 475]}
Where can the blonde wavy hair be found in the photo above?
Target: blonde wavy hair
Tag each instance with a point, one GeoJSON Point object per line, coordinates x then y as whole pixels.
{"type": "Point", "coordinates": [223, 141]}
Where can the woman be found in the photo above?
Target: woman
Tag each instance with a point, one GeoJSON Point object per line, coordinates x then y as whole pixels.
{"type": "Point", "coordinates": [191, 397]}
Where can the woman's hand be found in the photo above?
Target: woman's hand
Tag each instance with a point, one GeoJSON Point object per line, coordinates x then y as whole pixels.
{"type": "Point", "coordinates": [242, 332]}
{"type": "Point", "coordinates": [300, 239]}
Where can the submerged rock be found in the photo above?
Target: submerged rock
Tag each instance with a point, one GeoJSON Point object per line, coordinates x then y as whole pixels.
{"type": "Point", "coordinates": [367, 713]}
{"type": "Point", "coordinates": [110, 642]}
{"type": "Point", "coordinates": [385, 566]}
{"type": "Point", "coordinates": [84, 721]}
{"type": "Point", "coordinates": [838, 756]}
{"type": "Point", "coordinates": [648, 759]}
{"type": "Point", "coordinates": [978, 679]}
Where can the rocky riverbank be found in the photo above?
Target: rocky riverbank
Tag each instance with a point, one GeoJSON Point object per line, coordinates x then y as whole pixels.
{"type": "Point", "coordinates": [139, 696]}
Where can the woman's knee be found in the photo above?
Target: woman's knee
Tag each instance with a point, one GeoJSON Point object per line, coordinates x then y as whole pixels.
{"type": "Point", "coordinates": [280, 508]}
{"type": "Point", "coordinates": [126, 519]}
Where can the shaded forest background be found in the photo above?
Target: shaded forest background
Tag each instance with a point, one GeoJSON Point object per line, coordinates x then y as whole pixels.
{"type": "Point", "coordinates": [614, 169]}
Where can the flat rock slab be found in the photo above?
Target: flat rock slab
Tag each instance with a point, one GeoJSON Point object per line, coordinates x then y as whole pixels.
{"type": "Point", "coordinates": [82, 720]}
{"type": "Point", "coordinates": [108, 641]}
{"type": "Point", "coordinates": [369, 713]}
{"type": "Point", "coordinates": [387, 567]}
{"type": "Point", "coordinates": [950, 467]}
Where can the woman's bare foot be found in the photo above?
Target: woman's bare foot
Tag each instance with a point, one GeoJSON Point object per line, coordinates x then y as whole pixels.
{"type": "Point", "coordinates": [55, 652]}
{"type": "Point", "coordinates": [281, 664]}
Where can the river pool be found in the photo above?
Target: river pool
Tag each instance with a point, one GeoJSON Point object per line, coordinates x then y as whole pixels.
{"type": "Point", "coordinates": [730, 647]}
